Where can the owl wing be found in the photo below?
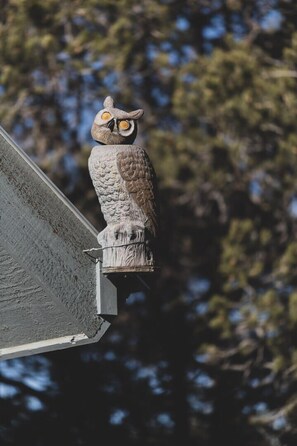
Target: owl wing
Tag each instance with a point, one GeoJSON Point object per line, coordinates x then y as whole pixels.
{"type": "Point", "coordinates": [140, 179]}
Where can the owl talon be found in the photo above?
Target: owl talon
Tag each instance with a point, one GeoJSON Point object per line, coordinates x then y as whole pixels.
{"type": "Point", "coordinates": [118, 229]}
{"type": "Point", "coordinates": [130, 231]}
{"type": "Point", "coordinates": [103, 236]}
{"type": "Point", "coordinates": [135, 232]}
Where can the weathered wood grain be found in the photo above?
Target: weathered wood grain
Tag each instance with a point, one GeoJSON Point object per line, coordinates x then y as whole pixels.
{"type": "Point", "coordinates": [27, 313]}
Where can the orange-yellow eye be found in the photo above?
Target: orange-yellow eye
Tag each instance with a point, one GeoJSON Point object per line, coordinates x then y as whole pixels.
{"type": "Point", "coordinates": [124, 125]}
{"type": "Point", "coordinates": [105, 116]}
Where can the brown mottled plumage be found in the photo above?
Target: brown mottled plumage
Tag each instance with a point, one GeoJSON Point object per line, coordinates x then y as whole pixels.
{"type": "Point", "coordinates": [140, 180]}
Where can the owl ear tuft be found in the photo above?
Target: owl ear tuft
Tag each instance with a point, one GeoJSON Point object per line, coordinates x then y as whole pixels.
{"type": "Point", "coordinates": [136, 114]}
{"type": "Point", "coordinates": [108, 102]}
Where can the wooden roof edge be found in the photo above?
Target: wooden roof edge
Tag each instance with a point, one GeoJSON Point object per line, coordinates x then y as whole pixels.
{"type": "Point", "coordinates": [49, 183]}
{"type": "Point", "coordinates": [54, 344]}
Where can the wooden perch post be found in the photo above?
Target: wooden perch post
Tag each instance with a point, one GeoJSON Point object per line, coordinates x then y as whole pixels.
{"type": "Point", "coordinates": [127, 254]}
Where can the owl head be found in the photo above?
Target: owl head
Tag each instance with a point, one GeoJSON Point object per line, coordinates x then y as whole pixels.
{"type": "Point", "coordinates": [114, 126]}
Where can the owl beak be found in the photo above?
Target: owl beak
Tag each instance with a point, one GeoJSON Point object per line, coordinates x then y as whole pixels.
{"type": "Point", "coordinates": [110, 125]}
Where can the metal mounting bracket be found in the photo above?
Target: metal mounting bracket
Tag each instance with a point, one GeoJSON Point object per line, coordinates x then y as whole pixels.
{"type": "Point", "coordinates": [106, 295]}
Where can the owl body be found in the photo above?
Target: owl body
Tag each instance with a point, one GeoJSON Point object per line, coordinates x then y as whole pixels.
{"type": "Point", "coordinates": [125, 183]}
{"type": "Point", "coordinates": [117, 204]}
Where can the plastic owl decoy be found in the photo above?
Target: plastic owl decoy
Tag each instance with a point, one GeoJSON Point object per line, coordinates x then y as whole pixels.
{"type": "Point", "coordinates": [125, 183]}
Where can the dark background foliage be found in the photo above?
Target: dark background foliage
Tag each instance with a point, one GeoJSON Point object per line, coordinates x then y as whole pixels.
{"type": "Point", "coordinates": [209, 356]}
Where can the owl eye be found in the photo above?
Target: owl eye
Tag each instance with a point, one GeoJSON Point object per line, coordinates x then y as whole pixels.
{"type": "Point", "coordinates": [105, 116]}
{"type": "Point", "coordinates": [124, 125]}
